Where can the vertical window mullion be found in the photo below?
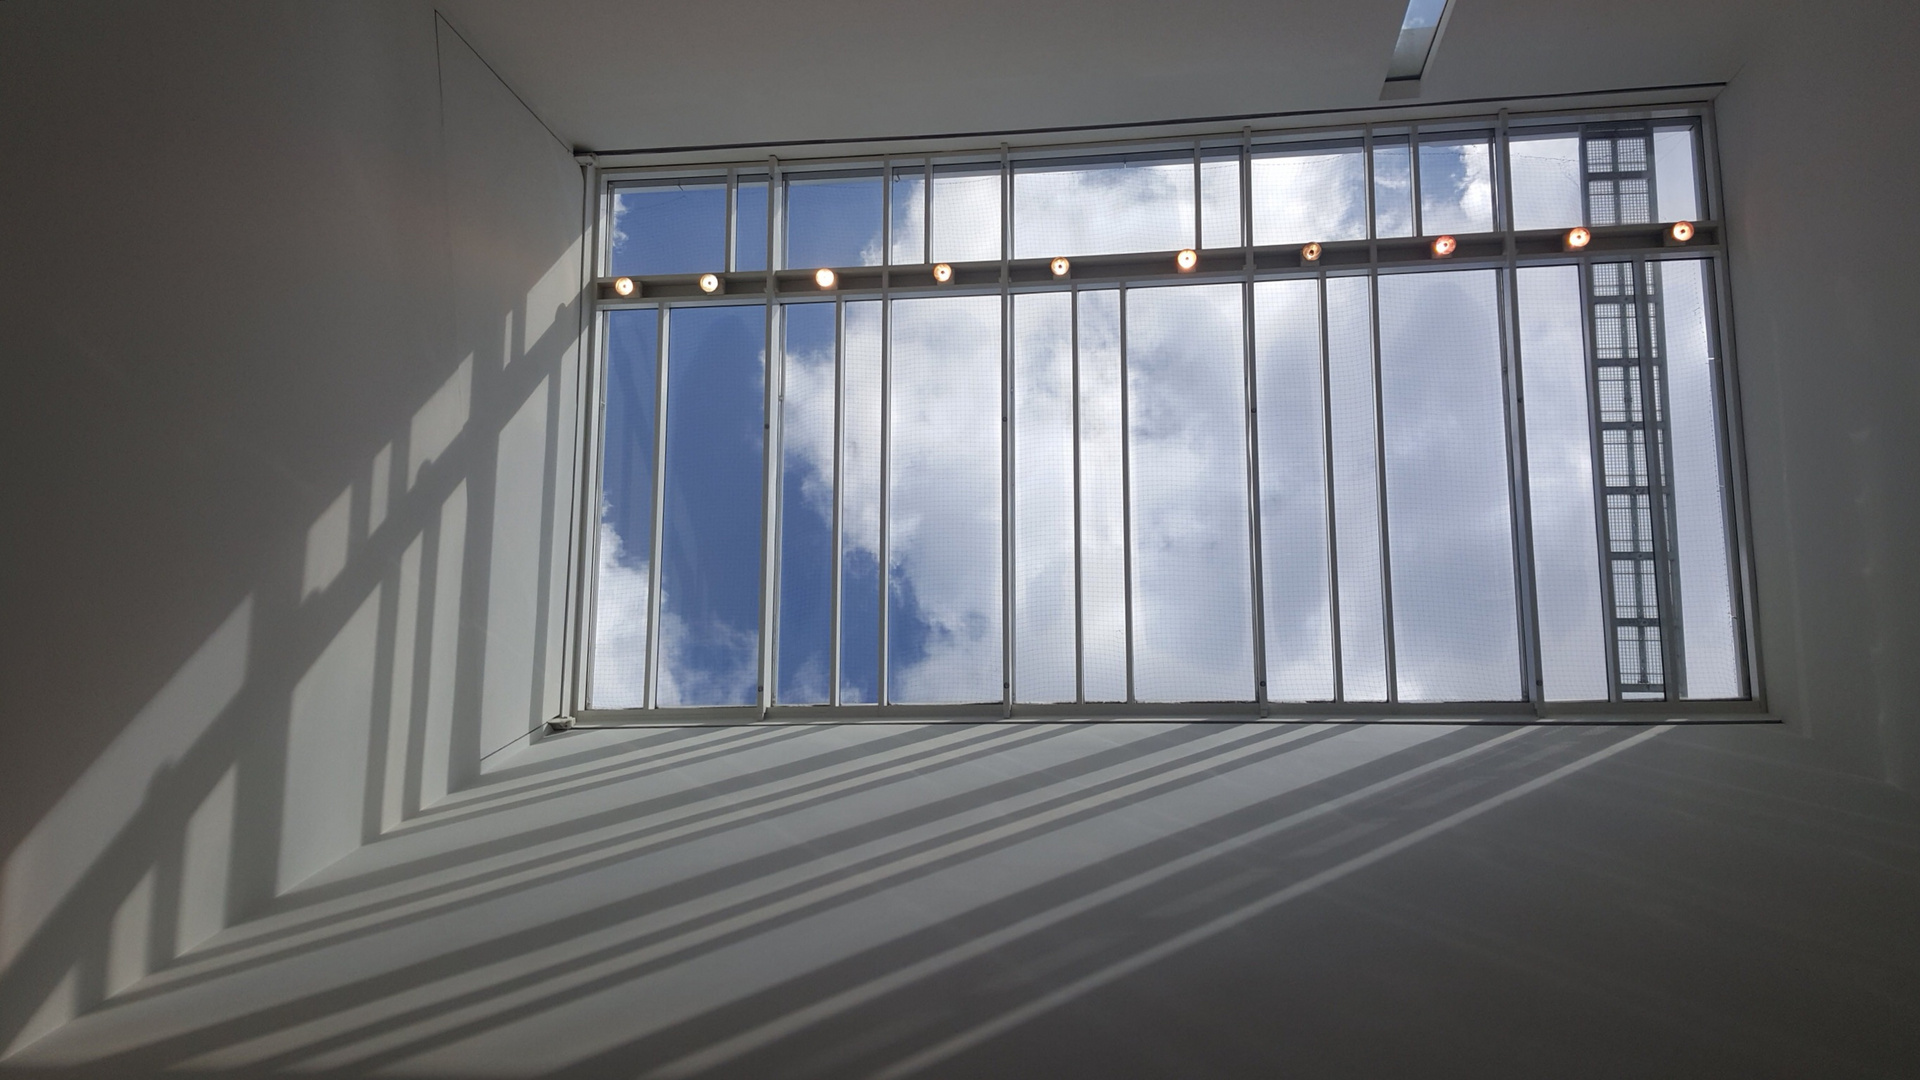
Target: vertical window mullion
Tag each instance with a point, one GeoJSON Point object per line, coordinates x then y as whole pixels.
{"type": "Point", "coordinates": [839, 494]}
{"type": "Point", "coordinates": [1380, 488]}
{"type": "Point", "coordinates": [1333, 537]}
{"type": "Point", "coordinates": [1126, 496]}
{"type": "Point", "coordinates": [1249, 413]}
{"type": "Point", "coordinates": [1079, 575]}
{"type": "Point", "coordinates": [651, 696]}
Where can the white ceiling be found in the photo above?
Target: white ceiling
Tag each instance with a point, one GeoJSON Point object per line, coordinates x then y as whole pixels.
{"type": "Point", "coordinates": [608, 74]}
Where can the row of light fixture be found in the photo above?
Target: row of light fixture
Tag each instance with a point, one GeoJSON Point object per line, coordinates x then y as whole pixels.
{"type": "Point", "coordinates": [1185, 260]}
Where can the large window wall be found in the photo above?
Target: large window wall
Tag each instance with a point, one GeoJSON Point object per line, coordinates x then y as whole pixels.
{"type": "Point", "coordinates": [1368, 483]}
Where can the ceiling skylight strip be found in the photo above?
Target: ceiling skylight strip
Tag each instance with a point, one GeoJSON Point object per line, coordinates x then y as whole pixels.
{"type": "Point", "coordinates": [1415, 44]}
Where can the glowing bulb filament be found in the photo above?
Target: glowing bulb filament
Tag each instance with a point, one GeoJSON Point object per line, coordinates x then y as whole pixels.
{"type": "Point", "coordinates": [943, 273]}
{"type": "Point", "coordinates": [1578, 237]}
{"type": "Point", "coordinates": [1060, 267]}
{"type": "Point", "coordinates": [623, 286]}
{"type": "Point", "coordinates": [1682, 231]}
{"type": "Point", "coordinates": [1311, 253]}
{"type": "Point", "coordinates": [1187, 259]}
{"type": "Point", "coordinates": [1444, 246]}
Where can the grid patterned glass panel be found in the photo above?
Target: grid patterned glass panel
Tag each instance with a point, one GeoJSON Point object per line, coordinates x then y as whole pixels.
{"type": "Point", "coordinates": [668, 228]}
{"type": "Point", "coordinates": [860, 505]}
{"type": "Point", "coordinates": [1456, 184]}
{"type": "Point", "coordinates": [750, 224]}
{"type": "Point", "coordinates": [1455, 622]}
{"type": "Point", "coordinates": [1220, 199]}
{"type": "Point", "coordinates": [1566, 556]}
{"type": "Point", "coordinates": [1186, 432]}
{"type": "Point", "coordinates": [1293, 491]}
{"type": "Point", "coordinates": [710, 558]}
{"type": "Point", "coordinates": [966, 213]}
{"type": "Point", "coordinates": [1139, 203]}
{"type": "Point", "coordinates": [1392, 188]}
{"type": "Point", "coordinates": [833, 221]}
{"type": "Point", "coordinates": [1356, 489]}
{"type": "Point", "coordinates": [1546, 181]}
{"type": "Point", "coordinates": [1310, 193]}
{"type": "Point", "coordinates": [804, 667]}
{"type": "Point", "coordinates": [1044, 637]}
{"type": "Point", "coordinates": [1103, 550]}
{"type": "Point", "coordinates": [909, 209]}
{"type": "Point", "coordinates": [943, 507]}
{"type": "Point", "coordinates": [626, 512]}
{"type": "Point", "coordinates": [1677, 181]}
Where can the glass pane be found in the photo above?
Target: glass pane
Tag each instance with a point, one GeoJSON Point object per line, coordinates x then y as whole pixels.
{"type": "Point", "coordinates": [1456, 185]}
{"type": "Point", "coordinates": [966, 214]}
{"type": "Point", "coordinates": [805, 660]}
{"type": "Point", "coordinates": [1356, 490]}
{"type": "Point", "coordinates": [1705, 587]}
{"type": "Point", "coordinates": [750, 225]}
{"type": "Point", "coordinates": [1309, 194]}
{"type": "Point", "coordinates": [1103, 583]}
{"type": "Point", "coordinates": [943, 511]}
{"type": "Point", "coordinates": [626, 512]}
{"type": "Point", "coordinates": [710, 551]}
{"type": "Point", "coordinates": [1675, 177]}
{"type": "Point", "coordinates": [1220, 199]}
{"type": "Point", "coordinates": [1455, 629]}
{"type": "Point", "coordinates": [1043, 590]}
{"type": "Point", "coordinates": [1417, 28]}
{"type": "Point", "coordinates": [909, 216]}
{"type": "Point", "coordinates": [668, 228]}
{"type": "Point", "coordinates": [1293, 491]}
{"type": "Point", "coordinates": [1566, 554]}
{"type": "Point", "coordinates": [1546, 181]}
{"type": "Point", "coordinates": [860, 507]}
{"type": "Point", "coordinates": [833, 222]}
{"type": "Point", "coordinates": [1187, 453]}
{"type": "Point", "coordinates": [1132, 204]}
{"type": "Point", "coordinates": [1392, 189]}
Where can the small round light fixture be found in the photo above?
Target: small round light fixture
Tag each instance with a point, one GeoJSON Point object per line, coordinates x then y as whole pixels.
{"type": "Point", "coordinates": [709, 283]}
{"type": "Point", "coordinates": [1187, 259]}
{"type": "Point", "coordinates": [1060, 267]}
{"type": "Point", "coordinates": [1311, 253]}
{"type": "Point", "coordinates": [1681, 231]}
{"type": "Point", "coordinates": [1578, 237]}
{"type": "Point", "coordinates": [824, 278]}
{"type": "Point", "coordinates": [623, 286]}
{"type": "Point", "coordinates": [1444, 246]}
{"type": "Point", "coordinates": [943, 273]}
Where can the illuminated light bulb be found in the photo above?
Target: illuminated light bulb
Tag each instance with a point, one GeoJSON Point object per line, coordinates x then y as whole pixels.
{"type": "Point", "coordinates": [1311, 253]}
{"type": "Point", "coordinates": [1060, 267]}
{"type": "Point", "coordinates": [943, 273]}
{"type": "Point", "coordinates": [824, 278]}
{"type": "Point", "coordinates": [1443, 246]}
{"type": "Point", "coordinates": [1187, 259]}
{"type": "Point", "coordinates": [1682, 231]}
{"type": "Point", "coordinates": [623, 286]}
{"type": "Point", "coordinates": [1578, 237]}
{"type": "Point", "coordinates": [709, 283]}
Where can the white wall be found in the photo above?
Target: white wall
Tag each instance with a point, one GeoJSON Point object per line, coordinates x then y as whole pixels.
{"type": "Point", "coordinates": [289, 305]}
{"type": "Point", "coordinates": [1819, 159]}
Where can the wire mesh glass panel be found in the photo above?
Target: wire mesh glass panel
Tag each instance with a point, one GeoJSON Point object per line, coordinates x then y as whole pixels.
{"type": "Point", "coordinates": [1293, 490]}
{"type": "Point", "coordinates": [677, 227]}
{"type": "Point", "coordinates": [965, 214]}
{"type": "Point", "coordinates": [943, 509]}
{"type": "Point", "coordinates": [1708, 630]}
{"type": "Point", "coordinates": [626, 512]}
{"type": "Point", "coordinates": [1356, 490]}
{"type": "Point", "coordinates": [1220, 198]}
{"type": "Point", "coordinates": [710, 549]}
{"type": "Point", "coordinates": [1141, 202]}
{"type": "Point", "coordinates": [1392, 188]}
{"type": "Point", "coordinates": [860, 505]}
{"type": "Point", "coordinates": [833, 220]}
{"type": "Point", "coordinates": [1044, 637]}
{"type": "Point", "coordinates": [1456, 184]}
{"type": "Point", "coordinates": [1103, 538]}
{"type": "Point", "coordinates": [804, 655]}
{"type": "Point", "coordinates": [1456, 632]}
{"type": "Point", "coordinates": [909, 230]}
{"type": "Point", "coordinates": [1676, 174]}
{"type": "Point", "coordinates": [1566, 551]}
{"type": "Point", "coordinates": [1302, 194]}
{"type": "Point", "coordinates": [1546, 180]}
{"type": "Point", "coordinates": [1187, 456]}
{"type": "Point", "coordinates": [750, 223]}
